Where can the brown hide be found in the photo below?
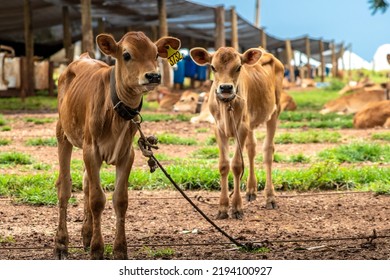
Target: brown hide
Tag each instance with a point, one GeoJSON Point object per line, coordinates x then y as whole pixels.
{"type": "Point", "coordinates": [373, 115]}
{"type": "Point", "coordinates": [351, 103]}
{"type": "Point", "coordinates": [87, 120]}
{"type": "Point", "coordinates": [287, 103]}
{"type": "Point", "coordinates": [245, 94]}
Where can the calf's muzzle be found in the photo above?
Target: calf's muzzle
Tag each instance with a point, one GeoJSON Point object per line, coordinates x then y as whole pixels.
{"type": "Point", "coordinates": [153, 78]}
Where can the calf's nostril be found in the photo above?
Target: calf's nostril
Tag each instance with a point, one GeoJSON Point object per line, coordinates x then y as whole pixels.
{"type": "Point", "coordinates": [153, 78]}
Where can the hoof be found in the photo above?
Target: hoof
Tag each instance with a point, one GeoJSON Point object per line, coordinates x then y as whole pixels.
{"type": "Point", "coordinates": [222, 215]}
{"type": "Point", "coordinates": [61, 254]}
{"type": "Point", "coordinates": [271, 205]}
{"type": "Point", "coordinates": [237, 214]}
{"type": "Point", "coordinates": [120, 255]}
{"type": "Point", "coordinates": [250, 197]}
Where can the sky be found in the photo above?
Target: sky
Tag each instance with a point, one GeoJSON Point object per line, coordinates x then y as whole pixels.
{"type": "Point", "coordinates": [344, 21]}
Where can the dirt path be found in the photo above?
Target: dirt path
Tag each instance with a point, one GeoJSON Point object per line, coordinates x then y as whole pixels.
{"type": "Point", "coordinates": [159, 220]}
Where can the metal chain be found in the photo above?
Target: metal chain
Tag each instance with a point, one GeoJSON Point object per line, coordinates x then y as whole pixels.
{"type": "Point", "coordinates": [149, 153]}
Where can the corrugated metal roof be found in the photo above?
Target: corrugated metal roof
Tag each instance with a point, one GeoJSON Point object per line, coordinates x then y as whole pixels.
{"type": "Point", "coordinates": [192, 23]}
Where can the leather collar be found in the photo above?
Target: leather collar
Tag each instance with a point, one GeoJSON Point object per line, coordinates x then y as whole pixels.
{"type": "Point", "coordinates": [122, 110]}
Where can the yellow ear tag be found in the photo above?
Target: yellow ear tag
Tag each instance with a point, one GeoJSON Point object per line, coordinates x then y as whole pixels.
{"type": "Point", "coordinates": [174, 56]}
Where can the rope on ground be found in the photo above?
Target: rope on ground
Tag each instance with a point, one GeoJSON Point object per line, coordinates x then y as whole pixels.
{"type": "Point", "coordinates": [370, 239]}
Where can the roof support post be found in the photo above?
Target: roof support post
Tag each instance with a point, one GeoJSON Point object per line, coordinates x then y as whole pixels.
{"type": "Point", "coordinates": [87, 44]}
{"type": "Point", "coordinates": [219, 27]}
{"type": "Point", "coordinates": [263, 39]}
{"type": "Point", "coordinates": [322, 60]}
{"type": "Point", "coordinates": [289, 58]}
{"type": "Point", "coordinates": [28, 66]}
{"type": "Point", "coordinates": [233, 17]}
{"type": "Point", "coordinates": [163, 31]}
{"type": "Point", "coordinates": [334, 60]}
{"type": "Point", "coordinates": [69, 51]}
{"type": "Point", "coordinates": [308, 54]}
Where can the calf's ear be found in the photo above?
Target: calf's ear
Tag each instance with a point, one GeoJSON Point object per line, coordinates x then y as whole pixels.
{"type": "Point", "coordinates": [165, 41]}
{"type": "Point", "coordinates": [200, 56]}
{"type": "Point", "coordinates": [251, 56]}
{"type": "Point", "coordinates": [107, 44]}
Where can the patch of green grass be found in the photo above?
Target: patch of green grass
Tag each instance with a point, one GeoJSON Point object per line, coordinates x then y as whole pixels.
{"type": "Point", "coordinates": [41, 166]}
{"type": "Point", "coordinates": [299, 158]}
{"type": "Point", "coordinates": [385, 136]}
{"type": "Point", "coordinates": [211, 141]}
{"type": "Point", "coordinates": [202, 130]}
{"type": "Point", "coordinates": [313, 99]}
{"type": "Point", "coordinates": [320, 136]}
{"type": "Point", "coordinates": [14, 158]}
{"type": "Point", "coordinates": [2, 120]}
{"type": "Point", "coordinates": [172, 139]}
{"type": "Point", "coordinates": [7, 239]}
{"type": "Point", "coordinates": [51, 142]}
{"type": "Point", "coordinates": [163, 253]}
{"type": "Point", "coordinates": [41, 103]}
{"type": "Point", "coordinates": [206, 153]}
{"type": "Point", "coordinates": [108, 250]}
{"type": "Point", "coordinates": [4, 142]}
{"type": "Point", "coordinates": [165, 117]}
{"type": "Point", "coordinates": [357, 152]}
{"type": "Point", "coordinates": [39, 120]}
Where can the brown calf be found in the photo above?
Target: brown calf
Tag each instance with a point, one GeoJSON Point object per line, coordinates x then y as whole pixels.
{"type": "Point", "coordinates": [96, 103]}
{"type": "Point", "coordinates": [351, 103]}
{"type": "Point", "coordinates": [373, 115]}
{"type": "Point", "coordinates": [250, 84]}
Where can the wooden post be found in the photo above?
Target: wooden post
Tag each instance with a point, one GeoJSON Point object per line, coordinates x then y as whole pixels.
{"type": "Point", "coordinates": [87, 43]}
{"type": "Point", "coordinates": [51, 80]}
{"type": "Point", "coordinates": [289, 58]}
{"type": "Point", "coordinates": [322, 60]}
{"type": "Point", "coordinates": [163, 31]}
{"type": "Point", "coordinates": [219, 27]}
{"type": "Point", "coordinates": [341, 56]}
{"type": "Point", "coordinates": [308, 54]}
{"type": "Point", "coordinates": [334, 60]}
{"type": "Point", "coordinates": [257, 18]}
{"type": "Point", "coordinates": [162, 17]}
{"type": "Point", "coordinates": [263, 38]}
{"type": "Point", "coordinates": [69, 51]}
{"type": "Point", "coordinates": [28, 73]}
{"type": "Point", "coordinates": [234, 29]}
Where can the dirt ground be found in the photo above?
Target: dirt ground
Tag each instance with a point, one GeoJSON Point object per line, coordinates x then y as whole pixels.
{"type": "Point", "coordinates": [304, 226]}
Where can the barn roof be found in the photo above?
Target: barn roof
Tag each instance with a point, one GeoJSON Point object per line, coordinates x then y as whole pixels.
{"type": "Point", "coordinates": [191, 22]}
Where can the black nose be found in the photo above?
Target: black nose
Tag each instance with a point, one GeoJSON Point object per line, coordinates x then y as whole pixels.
{"type": "Point", "coordinates": [226, 88]}
{"type": "Point", "coordinates": [153, 78]}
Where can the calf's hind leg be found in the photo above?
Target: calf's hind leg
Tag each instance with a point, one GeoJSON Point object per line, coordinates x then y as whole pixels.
{"type": "Point", "coordinates": [268, 149]}
{"type": "Point", "coordinates": [64, 188]}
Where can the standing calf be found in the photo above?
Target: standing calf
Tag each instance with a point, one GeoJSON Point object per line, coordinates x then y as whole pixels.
{"type": "Point", "coordinates": [251, 83]}
{"type": "Point", "coordinates": [96, 103]}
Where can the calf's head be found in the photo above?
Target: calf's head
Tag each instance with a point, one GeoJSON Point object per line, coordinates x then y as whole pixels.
{"type": "Point", "coordinates": [226, 64]}
{"type": "Point", "coordinates": [136, 56]}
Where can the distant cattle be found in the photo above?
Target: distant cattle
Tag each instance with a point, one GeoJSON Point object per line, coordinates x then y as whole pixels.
{"type": "Point", "coordinates": [373, 114]}
{"type": "Point", "coordinates": [164, 97]}
{"type": "Point", "coordinates": [351, 103]}
{"type": "Point", "coordinates": [96, 104]}
{"type": "Point", "coordinates": [245, 94]}
{"type": "Point", "coordinates": [287, 103]}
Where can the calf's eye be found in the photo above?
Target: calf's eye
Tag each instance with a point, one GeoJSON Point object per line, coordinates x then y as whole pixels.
{"type": "Point", "coordinates": [126, 56]}
{"type": "Point", "coordinates": [213, 69]}
{"type": "Point", "coordinates": [238, 69]}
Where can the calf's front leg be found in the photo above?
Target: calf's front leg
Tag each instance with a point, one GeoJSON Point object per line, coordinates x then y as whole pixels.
{"type": "Point", "coordinates": [97, 199]}
{"type": "Point", "coordinates": [224, 169]}
{"type": "Point", "coordinates": [120, 202]}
